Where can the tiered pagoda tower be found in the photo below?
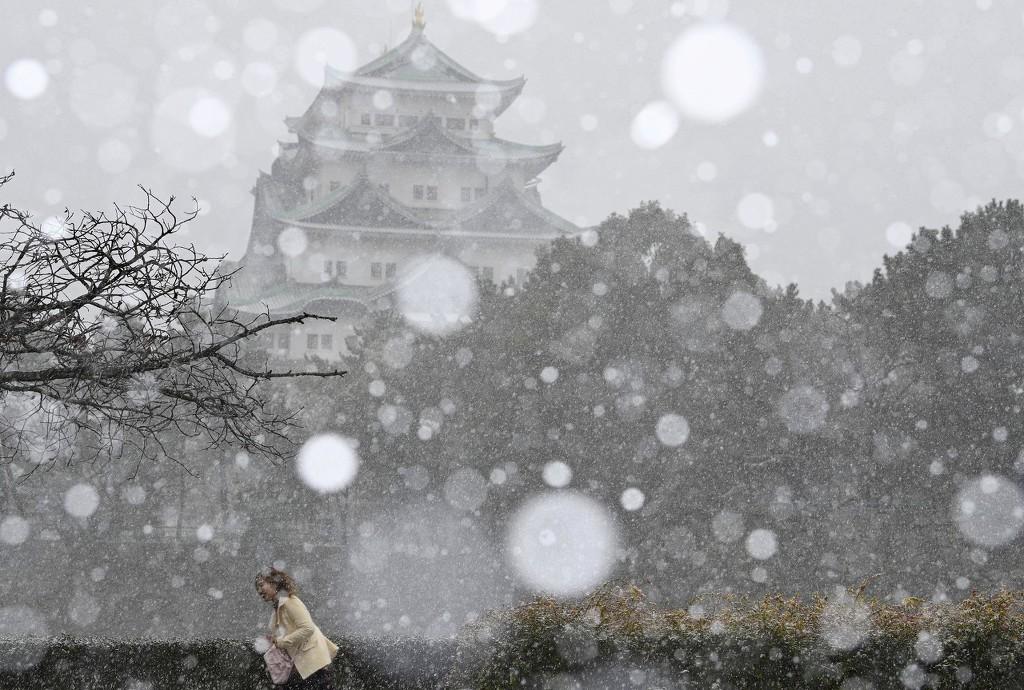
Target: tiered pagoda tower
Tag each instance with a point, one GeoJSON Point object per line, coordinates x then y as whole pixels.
{"type": "Point", "coordinates": [394, 161]}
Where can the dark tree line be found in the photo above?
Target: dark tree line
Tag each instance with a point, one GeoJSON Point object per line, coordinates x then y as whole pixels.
{"type": "Point", "coordinates": [845, 428]}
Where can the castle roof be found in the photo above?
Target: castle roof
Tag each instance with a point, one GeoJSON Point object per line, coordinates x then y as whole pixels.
{"type": "Point", "coordinates": [427, 139]}
{"type": "Point", "coordinates": [507, 212]}
{"type": "Point", "coordinates": [417, 65]}
{"type": "Point", "coordinates": [359, 203]}
{"type": "Point", "coordinates": [418, 59]}
{"type": "Point", "coordinates": [509, 208]}
{"type": "Point", "coordinates": [287, 298]}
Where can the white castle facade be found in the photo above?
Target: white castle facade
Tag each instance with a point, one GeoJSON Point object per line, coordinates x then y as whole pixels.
{"type": "Point", "coordinates": [393, 162]}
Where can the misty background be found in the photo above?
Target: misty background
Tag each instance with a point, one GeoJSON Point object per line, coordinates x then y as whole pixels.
{"type": "Point", "coordinates": [872, 119]}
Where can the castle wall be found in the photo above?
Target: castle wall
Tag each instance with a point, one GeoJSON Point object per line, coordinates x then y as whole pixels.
{"type": "Point", "coordinates": [401, 177]}
{"type": "Point", "coordinates": [324, 339]}
{"type": "Point", "coordinates": [359, 254]}
{"type": "Point", "coordinates": [335, 175]}
{"type": "Point", "coordinates": [354, 104]}
{"type": "Point", "coordinates": [504, 258]}
{"type": "Point", "coordinates": [507, 259]}
{"type": "Point", "coordinates": [449, 181]}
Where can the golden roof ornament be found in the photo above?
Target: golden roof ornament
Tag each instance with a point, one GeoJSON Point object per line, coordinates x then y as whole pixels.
{"type": "Point", "coordinates": [419, 20]}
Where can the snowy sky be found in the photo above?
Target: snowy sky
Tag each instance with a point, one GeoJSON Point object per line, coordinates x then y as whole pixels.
{"type": "Point", "coordinates": [836, 129]}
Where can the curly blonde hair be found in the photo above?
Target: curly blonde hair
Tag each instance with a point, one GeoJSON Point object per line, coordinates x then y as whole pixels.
{"type": "Point", "coordinates": [279, 578]}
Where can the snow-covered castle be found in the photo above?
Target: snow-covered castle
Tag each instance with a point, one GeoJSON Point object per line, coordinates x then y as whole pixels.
{"type": "Point", "coordinates": [395, 161]}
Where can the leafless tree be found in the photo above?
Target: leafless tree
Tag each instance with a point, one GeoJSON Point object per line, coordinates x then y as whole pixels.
{"type": "Point", "coordinates": [109, 343]}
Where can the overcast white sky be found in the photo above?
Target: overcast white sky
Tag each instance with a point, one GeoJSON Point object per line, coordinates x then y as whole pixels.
{"type": "Point", "coordinates": [836, 129]}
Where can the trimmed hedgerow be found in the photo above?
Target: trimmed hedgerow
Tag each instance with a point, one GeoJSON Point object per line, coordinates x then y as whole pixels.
{"type": "Point", "coordinates": [616, 638]}
{"type": "Point", "coordinates": [612, 638]}
{"type": "Point", "coordinates": [77, 663]}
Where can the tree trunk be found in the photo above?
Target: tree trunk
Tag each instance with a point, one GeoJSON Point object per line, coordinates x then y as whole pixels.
{"type": "Point", "coordinates": [181, 505]}
{"type": "Point", "coordinates": [9, 486]}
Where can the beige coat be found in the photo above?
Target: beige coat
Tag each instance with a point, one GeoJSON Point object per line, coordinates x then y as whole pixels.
{"type": "Point", "coordinates": [300, 637]}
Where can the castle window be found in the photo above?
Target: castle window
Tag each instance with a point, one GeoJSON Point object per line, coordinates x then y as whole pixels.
{"type": "Point", "coordinates": [390, 270]}
{"type": "Point", "coordinates": [384, 119]}
{"type": "Point", "coordinates": [375, 270]}
{"type": "Point", "coordinates": [284, 341]}
{"type": "Point", "coordinates": [431, 193]}
{"type": "Point", "coordinates": [456, 123]}
{"type": "Point", "coordinates": [474, 124]}
{"type": "Point", "coordinates": [311, 340]}
{"type": "Point", "coordinates": [480, 192]}
{"type": "Point", "coordinates": [417, 191]}
{"type": "Point", "coordinates": [364, 119]}
{"type": "Point", "coordinates": [326, 341]}
{"type": "Point", "coordinates": [337, 269]}
{"type": "Point", "coordinates": [467, 193]}
{"type": "Point", "coordinates": [407, 120]}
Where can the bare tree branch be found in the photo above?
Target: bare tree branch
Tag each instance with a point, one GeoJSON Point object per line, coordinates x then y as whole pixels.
{"type": "Point", "coordinates": [108, 341]}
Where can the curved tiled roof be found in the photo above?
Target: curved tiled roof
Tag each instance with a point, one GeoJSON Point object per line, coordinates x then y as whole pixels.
{"type": "Point", "coordinates": [426, 137]}
{"type": "Point", "coordinates": [431, 63]}
{"type": "Point", "coordinates": [416, 64]}
{"type": "Point", "coordinates": [509, 194]}
{"type": "Point", "coordinates": [343, 209]}
{"type": "Point", "coordinates": [351, 198]}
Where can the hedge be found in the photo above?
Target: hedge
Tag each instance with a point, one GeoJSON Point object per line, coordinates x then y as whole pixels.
{"type": "Point", "coordinates": [613, 638]}
{"type": "Point", "coordinates": [90, 663]}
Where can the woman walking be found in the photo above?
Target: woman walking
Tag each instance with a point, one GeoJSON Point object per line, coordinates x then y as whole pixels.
{"type": "Point", "coordinates": [293, 630]}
